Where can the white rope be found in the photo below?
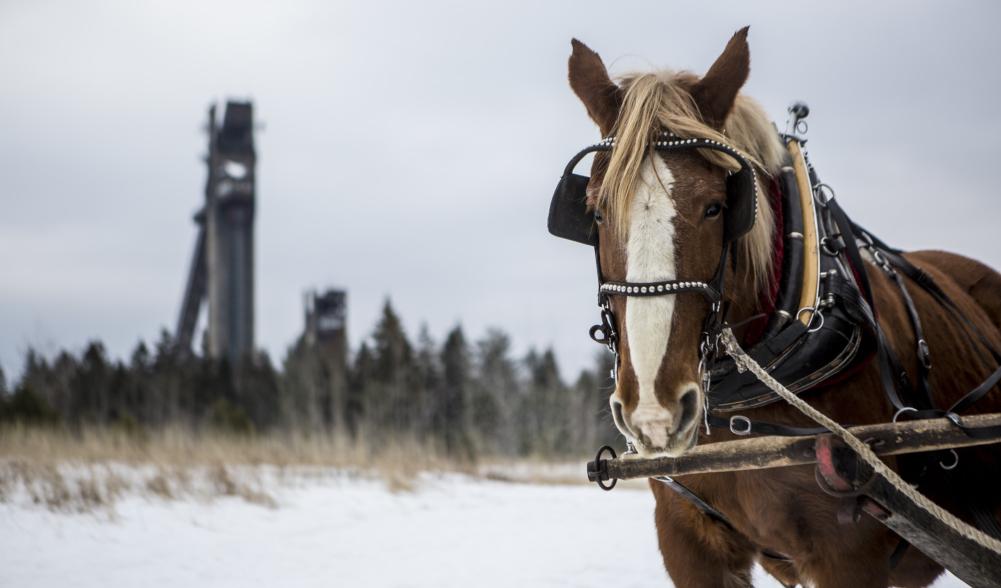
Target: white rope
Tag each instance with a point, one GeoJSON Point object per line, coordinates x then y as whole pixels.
{"type": "Point", "coordinates": [745, 362]}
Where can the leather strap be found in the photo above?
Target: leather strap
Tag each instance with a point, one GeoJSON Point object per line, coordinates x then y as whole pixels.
{"type": "Point", "coordinates": [708, 510]}
{"type": "Point", "coordinates": [741, 425]}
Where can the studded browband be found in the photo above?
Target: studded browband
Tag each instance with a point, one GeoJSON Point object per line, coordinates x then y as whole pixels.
{"type": "Point", "coordinates": [660, 288]}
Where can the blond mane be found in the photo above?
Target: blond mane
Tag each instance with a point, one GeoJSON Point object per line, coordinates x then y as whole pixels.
{"type": "Point", "coordinates": [661, 101]}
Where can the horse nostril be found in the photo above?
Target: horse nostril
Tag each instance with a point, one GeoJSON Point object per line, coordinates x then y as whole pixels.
{"type": "Point", "coordinates": [619, 418]}
{"type": "Point", "coordinates": [689, 408]}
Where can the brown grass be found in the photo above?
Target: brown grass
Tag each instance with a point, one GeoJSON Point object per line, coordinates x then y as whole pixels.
{"type": "Point", "coordinates": [90, 469]}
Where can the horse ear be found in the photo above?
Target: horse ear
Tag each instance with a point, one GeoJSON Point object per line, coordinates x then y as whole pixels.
{"type": "Point", "coordinates": [589, 80]}
{"type": "Point", "coordinates": [716, 92]}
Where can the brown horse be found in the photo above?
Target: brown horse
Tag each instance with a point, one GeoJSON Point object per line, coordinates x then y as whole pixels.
{"type": "Point", "coordinates": [662, 217]}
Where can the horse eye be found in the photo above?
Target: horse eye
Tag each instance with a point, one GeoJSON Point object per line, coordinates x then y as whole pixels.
{"type": "Point", "coordinates": [597, 217]}
{"type": "Point", "coordinates": [713, 210]}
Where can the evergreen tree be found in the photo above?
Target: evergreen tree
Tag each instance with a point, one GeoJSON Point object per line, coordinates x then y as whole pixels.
{"type": "Point", "coordinates": [256, 387]}
{"type": "Point", "coordinates": [138, 380]}
{"type": "Point", "coordinates": [495, 394]}
{"type": "Point", "coordinates": [360, 380]}
{"type": "Point", "coordinates": [389, 402]}
{"type": "Point", "coordinates": [427, 382]}
{"type": "Point", "coordinates": [466, 400]}
{"type": "Point", "coordinates": [26, 407]}
{"type": "Point", "coordinates": [171, 375]}
{"type": "Point", "coordinates": [544, 409]}
{"type": "Point", "coordinates": [91, 386]}
{"type": "Point", "coordinates": [450, 419]}
{"type": "Point", "coordinates": [303, 405]}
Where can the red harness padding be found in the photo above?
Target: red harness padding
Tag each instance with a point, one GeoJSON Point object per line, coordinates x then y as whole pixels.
{"type": "Point", "coordinates": [756, 329]}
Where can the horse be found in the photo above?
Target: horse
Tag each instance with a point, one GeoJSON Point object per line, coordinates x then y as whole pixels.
{"type": "Point", "coordinates": [661, 216]}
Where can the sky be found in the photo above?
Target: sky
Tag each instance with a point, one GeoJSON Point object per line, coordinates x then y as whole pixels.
{"type": "Point", "coordinates": [409, 149]}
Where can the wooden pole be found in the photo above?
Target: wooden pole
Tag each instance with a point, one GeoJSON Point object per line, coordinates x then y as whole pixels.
{"type": "Point", "coordinates": [757, 453]}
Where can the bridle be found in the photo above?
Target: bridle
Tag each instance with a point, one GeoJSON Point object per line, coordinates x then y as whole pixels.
{"type": "Point", "coordinates": [569, 218]}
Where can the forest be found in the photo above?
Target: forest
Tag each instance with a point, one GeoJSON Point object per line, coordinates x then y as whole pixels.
{"type": "Point", "coordinates": [466, 398]}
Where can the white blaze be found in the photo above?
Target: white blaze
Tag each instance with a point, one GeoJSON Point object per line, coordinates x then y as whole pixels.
{"type": "Point", "coordinates": [650, 258]}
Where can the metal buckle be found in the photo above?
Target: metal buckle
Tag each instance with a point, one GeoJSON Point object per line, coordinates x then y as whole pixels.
{"type": "Point", "coordinates": [744, 421]}
{"type": "Point", "coordinates": [630, 449]}
{"type": "Point", "coordinates": [884, 263]}
{"type": "Point", "coordinates": [708, 350]}
{"type": "Point", "coordinates": [924, 353]}
{"type": "Point", "coordinates": [606, 329]}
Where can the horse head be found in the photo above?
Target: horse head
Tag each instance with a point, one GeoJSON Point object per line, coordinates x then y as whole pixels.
{"type": "Point", "coordinates": [669, 217]}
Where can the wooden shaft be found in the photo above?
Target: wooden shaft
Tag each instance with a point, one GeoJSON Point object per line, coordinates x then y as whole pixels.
{"type": "Point", "coordinates": [811, 247]}
{"type": "Point", "coordinates": [757, 453]}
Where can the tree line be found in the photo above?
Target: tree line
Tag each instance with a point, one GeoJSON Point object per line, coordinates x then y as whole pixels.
{"type": "Point", "coordinates": [466, 398]}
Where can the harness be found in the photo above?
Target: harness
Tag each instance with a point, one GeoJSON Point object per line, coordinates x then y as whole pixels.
{"type": "Point", "coordinates": [824, 320]}
{"type": "Point", "coordinates": [820, 321]}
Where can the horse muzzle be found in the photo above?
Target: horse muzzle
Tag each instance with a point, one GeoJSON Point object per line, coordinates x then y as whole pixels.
{"type": "Point", "coordinates": [658, 430]}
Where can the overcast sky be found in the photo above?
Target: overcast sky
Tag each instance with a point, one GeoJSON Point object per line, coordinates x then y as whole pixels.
{"type": "Point", "coordinates": [410, 149]}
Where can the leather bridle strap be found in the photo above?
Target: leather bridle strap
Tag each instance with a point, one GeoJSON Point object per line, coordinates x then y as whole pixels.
{"type": "Point", "coordinates": [896, 261]}
{"type": "Point", "coordinates": [662, 288]}
{"type": "Point", "coordinates": [743, 426]}
{"type": "Point", "coordinates": [714, 514]}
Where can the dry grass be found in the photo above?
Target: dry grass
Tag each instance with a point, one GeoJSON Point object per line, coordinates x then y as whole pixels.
{"type": "Point", "coordinates": [172, 448]}
{"type": "Point", "coordinates": [90, 469]}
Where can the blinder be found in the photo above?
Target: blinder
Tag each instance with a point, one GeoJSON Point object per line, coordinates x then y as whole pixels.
{"type": "Point", "coordinates": [568, 214]}
{"type": "Point", "coordinates": [742, 203]}
{"type": "Point", "coordinates": [569, 217]}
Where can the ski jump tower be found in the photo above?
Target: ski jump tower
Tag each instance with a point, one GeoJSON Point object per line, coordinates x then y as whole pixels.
{"type": "Point", "coordinates": [222, 266]}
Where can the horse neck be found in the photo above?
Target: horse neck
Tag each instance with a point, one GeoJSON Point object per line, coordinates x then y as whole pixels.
{"type": "Point", "coordinates": [744, 301]}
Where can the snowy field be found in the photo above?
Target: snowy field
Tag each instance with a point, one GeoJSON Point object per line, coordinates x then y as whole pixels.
{"type": "Point", "coordinates": [335, 530]}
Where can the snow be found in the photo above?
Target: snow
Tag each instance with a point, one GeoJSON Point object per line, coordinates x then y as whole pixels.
{"type": "Point", "coordinates": [338, 530]}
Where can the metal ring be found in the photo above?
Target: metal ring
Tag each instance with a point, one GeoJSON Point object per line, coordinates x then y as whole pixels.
{"type": "Point", "coordinates": [801, 127]}
{"type": "Point", "coordinates": [955, 461]}
{"type": "Point", "coordinates": [816, 312]}
{"type": "Point", "coordinates": [819, 194]}
{"type": "Point", "coordinates": [740, 419]}
{"type": "Point", "coordinates": [902, 411]}
{"type": "Point", "coordinates": [827, 248]}
{"type": "Point", "coordinates": [818, 327]}
{"type": "Point", "coordinates": [597, 462]}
